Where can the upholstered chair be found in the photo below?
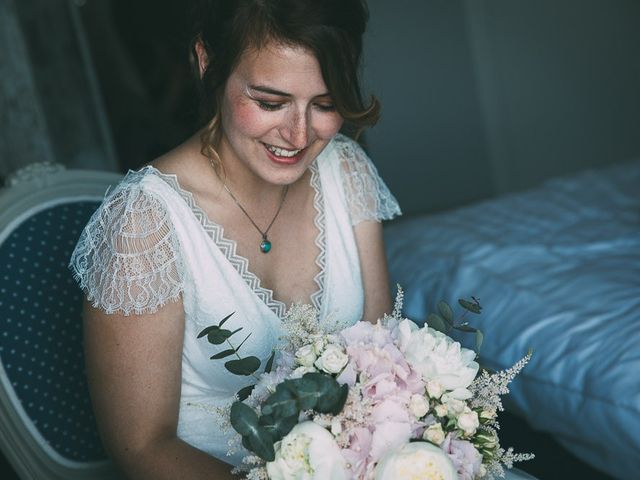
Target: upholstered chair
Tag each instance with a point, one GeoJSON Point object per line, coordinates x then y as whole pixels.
{"type": "Point", "coordinates": [47, 428]}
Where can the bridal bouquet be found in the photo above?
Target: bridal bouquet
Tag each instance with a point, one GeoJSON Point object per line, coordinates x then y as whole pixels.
{"type": "Point", "coordinates": [386, 401]}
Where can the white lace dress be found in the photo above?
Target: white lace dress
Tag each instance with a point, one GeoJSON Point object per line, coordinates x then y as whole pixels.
{"type": "Point", "coordinates": [149, 243]}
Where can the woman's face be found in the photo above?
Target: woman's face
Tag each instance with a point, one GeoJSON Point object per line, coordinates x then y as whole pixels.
{"type": "Point", "coordinates": [277, 115]}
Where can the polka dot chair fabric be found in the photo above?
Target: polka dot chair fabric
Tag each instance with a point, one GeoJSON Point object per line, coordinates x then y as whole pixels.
{"type": "Point", "coordinates": [41, 336]}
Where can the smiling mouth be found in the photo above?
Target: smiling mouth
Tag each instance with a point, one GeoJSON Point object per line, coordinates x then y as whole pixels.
{"type": "Point", "coordinates": [282, 152]}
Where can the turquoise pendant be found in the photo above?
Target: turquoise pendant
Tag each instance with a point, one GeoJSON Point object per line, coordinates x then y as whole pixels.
{"type": "Point", "coordinates": [265, 245]}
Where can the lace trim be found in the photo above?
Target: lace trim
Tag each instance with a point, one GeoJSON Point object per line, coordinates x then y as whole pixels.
{"type": "Point", "coordinates": [321, 239]}
{"type": "Point", "coordinates": [368, 198]}
{"type": "Point", "coordinates": [241, 264]}
{"type": "Point", "coordinates": [127, 256]}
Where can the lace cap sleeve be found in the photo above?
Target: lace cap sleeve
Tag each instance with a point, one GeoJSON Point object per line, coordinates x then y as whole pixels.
{"type": "Point", "coordinates": [368, 198]}
{"type": "Point", "coordinates": [127, 258]}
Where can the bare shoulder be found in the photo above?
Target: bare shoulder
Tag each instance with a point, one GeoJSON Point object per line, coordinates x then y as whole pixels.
{"type": "Point", "coordinates": [188, 164]}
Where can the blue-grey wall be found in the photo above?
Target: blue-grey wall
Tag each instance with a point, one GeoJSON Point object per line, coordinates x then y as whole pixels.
{"type": "Point", "coordinates": [482, 97]}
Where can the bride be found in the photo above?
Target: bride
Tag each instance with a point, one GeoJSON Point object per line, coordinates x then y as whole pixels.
{"type": "Point", "coordinates": [267, 205]}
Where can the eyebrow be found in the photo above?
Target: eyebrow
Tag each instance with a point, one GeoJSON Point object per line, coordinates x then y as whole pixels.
{"type": "Point", "coordinates": [273, 91]}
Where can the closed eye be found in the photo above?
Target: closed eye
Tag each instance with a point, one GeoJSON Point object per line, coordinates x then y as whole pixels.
{"type": "Point", "coordinates": [268, 106]}
{"type": "Point", "coordinates": [325, 107]}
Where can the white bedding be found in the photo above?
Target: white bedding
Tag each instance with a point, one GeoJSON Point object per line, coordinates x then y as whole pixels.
{"type": "Point", "coordinates": [557, 269]}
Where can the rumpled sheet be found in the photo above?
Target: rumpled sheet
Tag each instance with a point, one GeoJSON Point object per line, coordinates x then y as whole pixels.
{"type": "Point", "coordinates": [557, 270]}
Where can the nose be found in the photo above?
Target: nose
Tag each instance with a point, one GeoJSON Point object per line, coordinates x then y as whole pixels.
{"type": "Point", "coordinates": [295, 130]}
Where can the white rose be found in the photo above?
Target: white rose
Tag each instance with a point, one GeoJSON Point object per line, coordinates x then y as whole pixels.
{"type": "Point", "coordinates": [418, 406]}
{"type": "Point", "coordinates": [416, 460]}
{"type": "Point", "coordinates": [454, 406]}
{"type": "Point", "coordinates": [305, 356]}
{"type": "Point", "coordinates": [307, 452]}
{"type": "Point", "coordinates": [438, 357]}
{"type": "Point", "coordinates": [434, 433]}
{"type": "Point", "coordinates": [468, 421]}
{"type": "Point", "coordinates": [441, 410]}
{"type": "Point", "coordinates": [332, 360]}
{"type": "Point", "coordinates": [434, 389]}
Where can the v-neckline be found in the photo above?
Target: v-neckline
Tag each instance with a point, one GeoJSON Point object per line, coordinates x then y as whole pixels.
{"type": "Point", "coordinates": [240, 263]}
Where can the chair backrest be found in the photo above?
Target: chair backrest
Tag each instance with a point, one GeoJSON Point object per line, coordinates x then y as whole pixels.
{"type": "Point", "coordinates": [47, 428]}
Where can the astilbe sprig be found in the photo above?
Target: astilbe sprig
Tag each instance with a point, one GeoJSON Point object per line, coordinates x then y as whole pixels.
{"type": "Point", "coordinates": [487, 388]}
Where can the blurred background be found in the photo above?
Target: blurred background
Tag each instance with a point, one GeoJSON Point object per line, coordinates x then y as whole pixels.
{"type": "Point", "coordinates": [480, 98]}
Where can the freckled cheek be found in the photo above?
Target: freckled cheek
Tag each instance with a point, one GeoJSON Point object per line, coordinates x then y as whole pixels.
{"type": "Point", "coordinates": [327, 127]}
{"type": "Point", "coordinates": [249, 120]}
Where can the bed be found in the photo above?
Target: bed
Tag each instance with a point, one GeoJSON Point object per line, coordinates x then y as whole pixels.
{"type": "Point", "coordinates": [557, 270]}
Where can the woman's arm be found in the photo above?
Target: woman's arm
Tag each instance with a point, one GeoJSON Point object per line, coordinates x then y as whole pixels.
{"type": "Point", "coordinates": [134, 373]}
{"type": "Point", "coordinates": [373, 264]}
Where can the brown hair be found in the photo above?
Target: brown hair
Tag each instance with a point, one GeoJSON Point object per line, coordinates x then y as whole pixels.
{"type": "Point", "coordinates": [331, 29]}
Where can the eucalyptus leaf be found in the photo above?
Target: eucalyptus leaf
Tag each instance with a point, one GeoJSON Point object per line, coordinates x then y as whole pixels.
{"type": "Point", "coordinates": [324, 389]}
{"type": "Point", "coordinates": [242, 342]}
{"type": "Point", "coordinates": [283, 402]}
{"type": "Point", "coordinates": [255, 437]}
{"type": "Point", "coordinates": [334, 401]}
{"type": "Point", "coordinates": [245, 366]}
{"type": "Point", "coordinates": [446, 312]}
{"type": "Point", "coordinates": [217, 335]}
{"type": "Point", "coordinates": [436, 322]}
{"type": "Point", "coordinates": [278, 427]}
{"type": "Point", "coordinates": [269, 365]}
{"type": "Point", "coordinates": [243, 418]}
{"type": "Point", "coordinates": [223, 354]}
{"type": "Point", "coordinates": [244, 393]}
{"type": "Point", "coordinates": [207, 330]}
{"type": "Point", "coordinates": [473, 307]}
{"type": "Point", "coordinates": [225, 319]}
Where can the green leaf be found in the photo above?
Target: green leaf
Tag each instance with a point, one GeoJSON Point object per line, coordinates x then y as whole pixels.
{"type": "Point", "coordinates": [446, 312]}
{"type": "Point", "coordinates": [245, 339]}
{"type": "Point", "coordinates": [225, 319]}
{"type": "Point", "coordinates": [269, 365]}
{"type": "Point", "coordinates": [255, 437]}
{"type": "Point", "coordinates": [243, 418]}
{"type": "Point", "coordinates": [333, 402]}
{"type": "Point", "coordinates": [222, 354]}
{"type": "Point", "coordinates": [244, 393]}
{"type": "Point", "coordinates": [283, 402]}
{"type": "Point", "coordinates": [278, 427]}
{"type": "Point", "coordinates": [207, 330]}
{"type": "Point", "coordinates": [218, 336]}
{"type": "Point", "coordinates": [479, 340]}
{"type": "Point", "coordinates": [323, 390]}
{"type": "Point", "coordinates": [436, 322]}
{"type": "Point", "coordinates": [473, 307]}
{"type": "Point", "coordinates": [245, 366]}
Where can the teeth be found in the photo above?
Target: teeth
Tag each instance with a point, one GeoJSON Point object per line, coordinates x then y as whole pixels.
{"type": "Point", "coordinates": [280, 152]}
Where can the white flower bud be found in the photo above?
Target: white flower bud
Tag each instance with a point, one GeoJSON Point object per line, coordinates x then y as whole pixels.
{"type": "Point", "coordinates": [434, 389]}
{"type": "Point", "coordinates": [418, 406]}
{"type": "Point", "coordinates": [336, 427]}
{"type": "Point", "coordinates": [434, 433]}
{"type": "Point", "coordinates": [306, 356]}
{"type": "Point", "coordinates": [468, 421]}
{"type": "Point", "coordinates": [454, 406]}
{"type": "Point", "coordinates": [487, 415]}
{"type": "Point", "coordinates": [441, 410]}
